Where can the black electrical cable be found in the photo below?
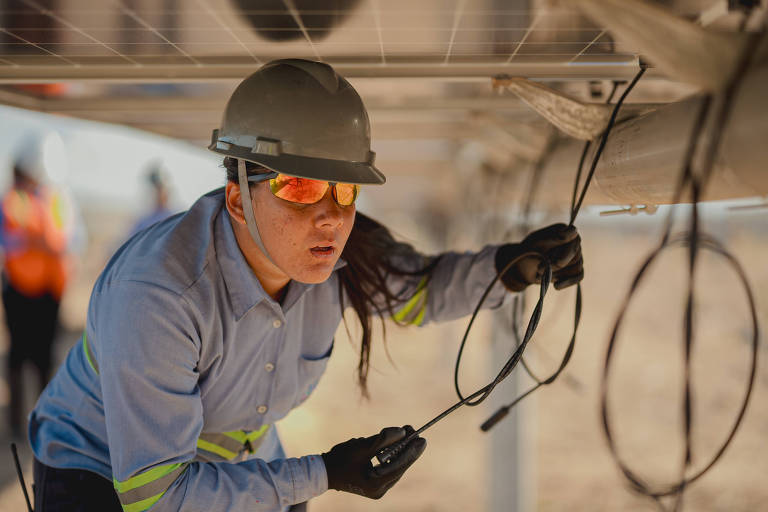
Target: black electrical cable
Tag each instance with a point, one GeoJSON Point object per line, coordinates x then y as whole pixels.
{"type": "Point", "coordinates": [637, 483]}
{"type": "Point", "coordinates": [695, 240]}
{"type": "Point", "coordinates": [480, 395]}
{"type": "Point", "coordinates": [575, 207]}
{"type": "Point", "coordinates": [518, 303]}
{"type": "Point", "coordinates": [20, 474]}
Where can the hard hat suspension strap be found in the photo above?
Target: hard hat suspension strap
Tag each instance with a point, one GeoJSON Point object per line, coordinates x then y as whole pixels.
{"type": "Point", "coordinates": [250, 219]}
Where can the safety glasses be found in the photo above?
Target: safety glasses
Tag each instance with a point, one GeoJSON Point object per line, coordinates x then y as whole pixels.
{"type": "Point", "coordinates": [305, 190]}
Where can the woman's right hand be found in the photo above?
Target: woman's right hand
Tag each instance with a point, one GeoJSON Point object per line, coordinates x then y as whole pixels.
{"type": "Point", "coordinates": [349, 465]}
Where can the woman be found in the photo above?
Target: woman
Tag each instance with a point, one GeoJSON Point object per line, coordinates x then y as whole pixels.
{"type": "Point", "coordinates": [207, 328]}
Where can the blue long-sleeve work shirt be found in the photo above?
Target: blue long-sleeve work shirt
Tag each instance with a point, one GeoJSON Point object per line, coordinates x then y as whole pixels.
{"type": "Point", "coordinates": [186, 364]}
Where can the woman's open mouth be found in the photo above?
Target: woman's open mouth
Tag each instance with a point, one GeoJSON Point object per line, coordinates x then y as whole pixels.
{"type": "Point", "coordinates": [323, 251]}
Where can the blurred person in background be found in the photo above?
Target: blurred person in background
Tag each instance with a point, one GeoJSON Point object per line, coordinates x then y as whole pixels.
{"type": "Point", "coordinates": [157, 179]}
{"type": "Point", "coordinates": [36, 236]}
{"type": "Point", "coordinates": [207, 328]}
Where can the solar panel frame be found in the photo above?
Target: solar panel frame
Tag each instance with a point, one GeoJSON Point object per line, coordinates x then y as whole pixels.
{"type": "Point", "coordinates": [124, 39]}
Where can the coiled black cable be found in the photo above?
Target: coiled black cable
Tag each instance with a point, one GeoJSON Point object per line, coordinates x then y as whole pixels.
{"type": "Point", "coordinates": [480, 395]}
{"type": "Point", "coordinates": [576, 201]}
{"type": "Point", "coordinates": [695, 240]}
{"type": "Point", "coordinates": [518, 304]}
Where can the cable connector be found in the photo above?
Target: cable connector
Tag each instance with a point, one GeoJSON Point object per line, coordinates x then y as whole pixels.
{"type": "Point", "coordinates": [493, 420]}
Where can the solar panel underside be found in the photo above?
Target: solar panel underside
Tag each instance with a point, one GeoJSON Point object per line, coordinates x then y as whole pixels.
{"type": "Point", "coordinates": [206, 38]}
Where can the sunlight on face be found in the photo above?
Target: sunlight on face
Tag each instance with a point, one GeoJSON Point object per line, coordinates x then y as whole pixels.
{"type": "Point", "coordinates": [304, 240]}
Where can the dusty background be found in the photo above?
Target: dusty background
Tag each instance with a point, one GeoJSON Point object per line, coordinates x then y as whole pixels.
{"type": "Point", "coordinates": [564, 461]}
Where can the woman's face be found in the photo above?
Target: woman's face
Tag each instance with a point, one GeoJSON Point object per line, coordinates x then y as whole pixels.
{"type": "Point", "coordinates": [305, 241]}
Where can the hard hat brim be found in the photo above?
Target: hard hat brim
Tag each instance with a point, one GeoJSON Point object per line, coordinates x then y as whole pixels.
{"type": "Point", "coordinates": [325, 169]}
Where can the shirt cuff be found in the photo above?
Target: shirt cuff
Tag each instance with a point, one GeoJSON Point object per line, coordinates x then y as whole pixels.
{"type": "Point", "coordinates": [309, 477]}
{"type": "Point", "coordinates": [498, 294]}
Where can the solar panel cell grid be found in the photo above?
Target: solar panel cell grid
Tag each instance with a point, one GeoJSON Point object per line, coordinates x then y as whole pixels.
{"type": "Point", "coordinates": [198, 34]}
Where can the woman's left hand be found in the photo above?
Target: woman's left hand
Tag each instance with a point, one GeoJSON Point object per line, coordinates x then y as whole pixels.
{"type": "Point", "coordinates": [559, 244]}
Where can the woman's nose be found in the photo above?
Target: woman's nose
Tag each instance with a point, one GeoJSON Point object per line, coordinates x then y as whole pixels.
{"type": "Point", "coordinates": [329, 213]}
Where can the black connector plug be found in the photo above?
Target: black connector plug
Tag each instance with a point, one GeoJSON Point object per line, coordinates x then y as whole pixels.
{"type": "Point", "coordinates": [493, 420]}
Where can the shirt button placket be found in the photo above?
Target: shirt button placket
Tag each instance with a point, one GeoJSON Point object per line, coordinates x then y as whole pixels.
{"type": "Point", "coordinates": [269, 367]}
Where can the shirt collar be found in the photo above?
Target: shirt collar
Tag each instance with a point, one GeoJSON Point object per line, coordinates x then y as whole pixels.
{"type": "Point", "coordinates": [245, 290]}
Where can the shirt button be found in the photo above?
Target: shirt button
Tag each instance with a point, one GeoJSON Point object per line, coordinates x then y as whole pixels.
{"type": "Point", "coordinates": [269, 367]}
{"type": "Point", "coordinates": [261, 409]}
{"type": "Point", "coordinates": [276, 324]}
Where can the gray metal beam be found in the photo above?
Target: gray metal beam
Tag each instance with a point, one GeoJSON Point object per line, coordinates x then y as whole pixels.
{"type": "Point", "coordinates": [643, 157]}
{"type": "Point", "coordinates": [29, 73]}
{"type": "Point", "coordinates": [78, 106]}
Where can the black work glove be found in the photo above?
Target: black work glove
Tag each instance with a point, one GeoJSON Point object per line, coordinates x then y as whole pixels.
{"type": "Point", "coordinates": [349, 465]}
{"type": "Point", "coordinates": [558, 243]}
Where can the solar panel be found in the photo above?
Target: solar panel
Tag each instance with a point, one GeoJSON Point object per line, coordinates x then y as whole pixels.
{"type": "Point", "coordinates": [132, 61]}
{"type": "Point", "coordinates": [197, 39]}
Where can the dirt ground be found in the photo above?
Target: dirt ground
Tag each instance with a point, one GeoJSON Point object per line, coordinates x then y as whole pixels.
{"type": "Point", "coordinates": [565, 463]}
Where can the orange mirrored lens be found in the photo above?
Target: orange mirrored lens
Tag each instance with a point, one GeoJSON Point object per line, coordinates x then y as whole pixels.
{"type": "Point", "coordinates": [298, 190]}
{"type": "Point", "coordinates": [345, 193]}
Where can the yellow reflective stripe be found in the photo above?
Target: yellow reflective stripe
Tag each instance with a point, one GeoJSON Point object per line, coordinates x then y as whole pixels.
{"type": "Point", "coordinates": [241, 436]}
{"type": "Point", "coordinates": [413, 311]}
{"type": "Point", "coordinates": [229, 445]}
{"type": "Point", "coordinates": [146, 477]}
{"type": "Point", "coordinates": [223, 442]}
{"type": "Point", "coordinates": [214, 448]}
{"type": "Point", "coordinates": [87, 350]}
{"type": "Point", "coordinates": [252, 436]}
{"type": "Point", "coordinates": [141, 506]}
{"type": "Point", "coordinates": [420, 318]}
{"type": "Point", "coordinates": [237, 435]}
{"type": "Point", "coordinates": [406, 313]}
{"type": "Point", "coordinates": [142, 491]}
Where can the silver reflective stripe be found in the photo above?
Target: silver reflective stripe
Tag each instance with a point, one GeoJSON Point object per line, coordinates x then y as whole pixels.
{"type": "Point", "coordinates": [254, 442]}
{"type": "Point", "coordinates": [223, 442]}
{"type": "Point", "coordinates": [413, 311]}
{"type": "Point", "coordinates": [142, 491]}
{"type": "Point", "coordinates": [206, 456]}
{"type": "Point", "coordinates": [226, 446]}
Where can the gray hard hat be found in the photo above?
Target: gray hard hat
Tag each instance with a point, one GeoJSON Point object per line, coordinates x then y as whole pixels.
{"type": "Point", "coordinates": [300, 118]}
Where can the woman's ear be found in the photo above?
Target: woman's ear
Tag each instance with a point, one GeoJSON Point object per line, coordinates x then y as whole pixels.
{"type": "Point", "coordinates": [234, 202]}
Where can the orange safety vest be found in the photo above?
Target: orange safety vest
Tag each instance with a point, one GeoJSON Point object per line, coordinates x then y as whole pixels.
{"type": "Point", "coordinates": [35, 236]}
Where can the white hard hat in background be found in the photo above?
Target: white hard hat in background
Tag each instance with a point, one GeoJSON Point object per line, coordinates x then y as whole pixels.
{"type": "Point", "coordinates": [43, 157]}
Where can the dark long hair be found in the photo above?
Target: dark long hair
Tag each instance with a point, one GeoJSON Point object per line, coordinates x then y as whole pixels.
{"type": "Point", "coordinates": [371, 254]}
